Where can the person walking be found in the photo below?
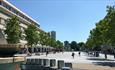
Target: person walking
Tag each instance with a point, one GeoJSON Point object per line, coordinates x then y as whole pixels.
{"type": "Point", "coordinates": [79, 53]}
{"type": "Point", "coordinates": [73, 54]}
{"type": "Point", "coordinates": [47, 53]}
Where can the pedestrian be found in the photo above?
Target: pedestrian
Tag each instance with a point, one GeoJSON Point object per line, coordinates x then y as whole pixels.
{"type": "Point", "coordinates": [79, 53]}
{"type": "Point", "coordinates": [73, 54]}
{"type": "Point", "coordinates": [46, 53]}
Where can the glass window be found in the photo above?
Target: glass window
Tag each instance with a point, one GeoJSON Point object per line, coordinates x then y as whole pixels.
{"type": "Point", "coordinates": [0, 2]}
{"type": "Point", "coordinates": [4, 4]}
{"type": "Point", "coordinates": [9, 8]}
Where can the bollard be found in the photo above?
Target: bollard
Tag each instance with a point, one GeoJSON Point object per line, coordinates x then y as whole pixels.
{"type": "Point", "coordinates": [60, 64]}
{"type": "Point", "coordinates": [37, 61]}
{"type": "Point", "coordinates": [52, 62]}
{"type": "Point", "coordinates": [28, 61]}
{"type": "Point", "coordinates": [32, 61]}
{"type": "Point", "coordinates": [68, 65]}
{"type": "Point", "coordinates": [40, 62]}
{"type": "Point", "coordinates": [46, 62]}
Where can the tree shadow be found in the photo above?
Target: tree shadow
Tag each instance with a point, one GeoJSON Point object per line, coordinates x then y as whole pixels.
{"type": "Point", "coordinates": [110, 64]}
{"type": "Point", "coordinates": [99, 59]}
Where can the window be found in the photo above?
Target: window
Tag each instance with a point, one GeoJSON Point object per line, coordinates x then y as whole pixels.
{"type": "Point", "coordinates": [4, 13]}
{"type": "Point", "coordinates": [9, 8]}
{"type": "Point", "coordinates": [0, 2]}
{"type": "Point", "coordinates": [5, 5]}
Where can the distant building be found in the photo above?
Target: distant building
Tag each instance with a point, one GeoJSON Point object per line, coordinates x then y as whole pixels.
{"type": "Point", "coordinates": [53, 34]}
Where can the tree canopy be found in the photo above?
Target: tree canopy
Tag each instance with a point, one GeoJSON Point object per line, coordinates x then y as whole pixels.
{"type": "Point", "coordinates": [32, 35]}
{"type": "Point", "coordinates": [12, 31]}
{"type": "Point", "coordinates": [104, 32]}
{"type": "Point", "coordinates": [73, 45]}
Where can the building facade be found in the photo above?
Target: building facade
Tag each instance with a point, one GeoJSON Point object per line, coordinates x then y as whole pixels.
{"type": "Point", "coordinates": [53, 35]}
{"type": "Point", "coordinates": [7, 10]}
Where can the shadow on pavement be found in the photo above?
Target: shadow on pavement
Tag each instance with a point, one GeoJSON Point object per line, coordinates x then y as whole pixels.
{"type": "Point", "coordinates": [110, 64]}
{"type": "Point", "coordinates": [99, 59]}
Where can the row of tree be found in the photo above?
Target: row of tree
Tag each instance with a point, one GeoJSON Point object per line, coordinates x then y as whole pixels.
{"type": "Point", "coordinates": [33, 35]}
{"type": "Point", "coordinates": [74, 45]}
{"type": "Point", "coordinates": [103, 35]}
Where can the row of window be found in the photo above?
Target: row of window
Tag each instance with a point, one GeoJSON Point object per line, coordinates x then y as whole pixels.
{"type": "Point", "coordinates": [3, 22]}
{"type": "Point", "coordinates": [0, 2]}
{"type": "Point", "coordinates": [15, 11]}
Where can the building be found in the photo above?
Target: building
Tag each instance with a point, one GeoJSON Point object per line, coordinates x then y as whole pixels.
{"type": "Point", "coordinates": [53, 34]}
{"type": "Point", "coordinates": [7, 10]}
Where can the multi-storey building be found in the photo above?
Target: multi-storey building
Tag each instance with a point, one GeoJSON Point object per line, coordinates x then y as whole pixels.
{"type": "Point", "coordinates": [53, 34]}
{"type": "Point", "coordinates": [8, 10]}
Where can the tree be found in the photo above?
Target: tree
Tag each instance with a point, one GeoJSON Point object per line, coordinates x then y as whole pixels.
{"type": "Point", "coordinates": [42, 38]}
{"type": "Point", "coordinates": [53, 42]}
{"type": "Point", "coordinates": [81, 45]}
{"type": "Point", "coordinates": [32, 35]}
{"type": "Point", "coordinates": [74, 45]}
{"type": "Point", "coordinates": [59, 45]}
{"type": "Point", "coordinates": [66, 43]}
{"type": "Point", "coordinates": [89, 43]}
{"type": "Point", "coordinates": [104, 32]}
{"type": "Point", "coordinates": [13, 30]}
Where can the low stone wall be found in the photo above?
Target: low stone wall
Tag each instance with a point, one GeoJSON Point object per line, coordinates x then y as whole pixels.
{"type": "Point", "coordinates": [11, 63]}
{"type": "Point", "coordinates": [11, 60]}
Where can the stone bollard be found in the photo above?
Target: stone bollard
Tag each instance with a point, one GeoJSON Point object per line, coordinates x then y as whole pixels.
{"type": "Point", "coordinates": [68, 65]}
{"type": "Point", "coordinates": [37, 61]}
{"type": "Point", "coordinates": [46, 62]}
{"type": "Point", "coordinates": [66, 68]}
{"type": "Point", "coordinates": [40, 62]}
{"type": "Point", "coordinates": [60, 64]}
{"type": "Point", "coordinates": [32, 61]}
{"type": "Point", "coordinates": [28, 61]}
{"type": "Point", "coordinates": [52, 62]}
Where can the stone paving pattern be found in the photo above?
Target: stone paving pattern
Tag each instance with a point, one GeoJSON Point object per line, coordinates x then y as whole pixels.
{"type": "Point", "coordinates": [82, 62]}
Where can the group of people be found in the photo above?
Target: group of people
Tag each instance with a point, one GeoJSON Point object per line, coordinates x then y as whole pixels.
{"type": "Point", "coordinates": [73, 54]}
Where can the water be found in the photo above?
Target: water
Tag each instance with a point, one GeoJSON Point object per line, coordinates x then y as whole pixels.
{"type": "Point", "coordinates": [10, 66]}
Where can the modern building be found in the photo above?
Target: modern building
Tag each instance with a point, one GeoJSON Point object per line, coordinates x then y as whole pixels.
{"type": "Point", "coordinates": [53, 34]}
{"type": "Point", "coordinates": [8, 10]}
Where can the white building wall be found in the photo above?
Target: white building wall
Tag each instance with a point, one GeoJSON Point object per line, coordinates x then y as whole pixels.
{"type": "Point", "coordinates": [3, 16]}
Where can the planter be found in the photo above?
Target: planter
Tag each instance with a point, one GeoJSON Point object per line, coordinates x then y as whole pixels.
{"type": "Point", "coordinates": [8, 50]}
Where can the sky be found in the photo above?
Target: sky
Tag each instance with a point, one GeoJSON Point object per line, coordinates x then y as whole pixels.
{"type": "Point", "coordinates": [71, 19]}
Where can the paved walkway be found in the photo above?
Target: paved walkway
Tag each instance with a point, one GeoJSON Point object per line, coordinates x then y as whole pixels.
{"type": "Point", "coordinates": [83, 61]}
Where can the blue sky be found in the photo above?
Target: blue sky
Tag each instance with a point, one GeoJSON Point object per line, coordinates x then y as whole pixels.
{"type": "Point", "coordinates": [71, 19]}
